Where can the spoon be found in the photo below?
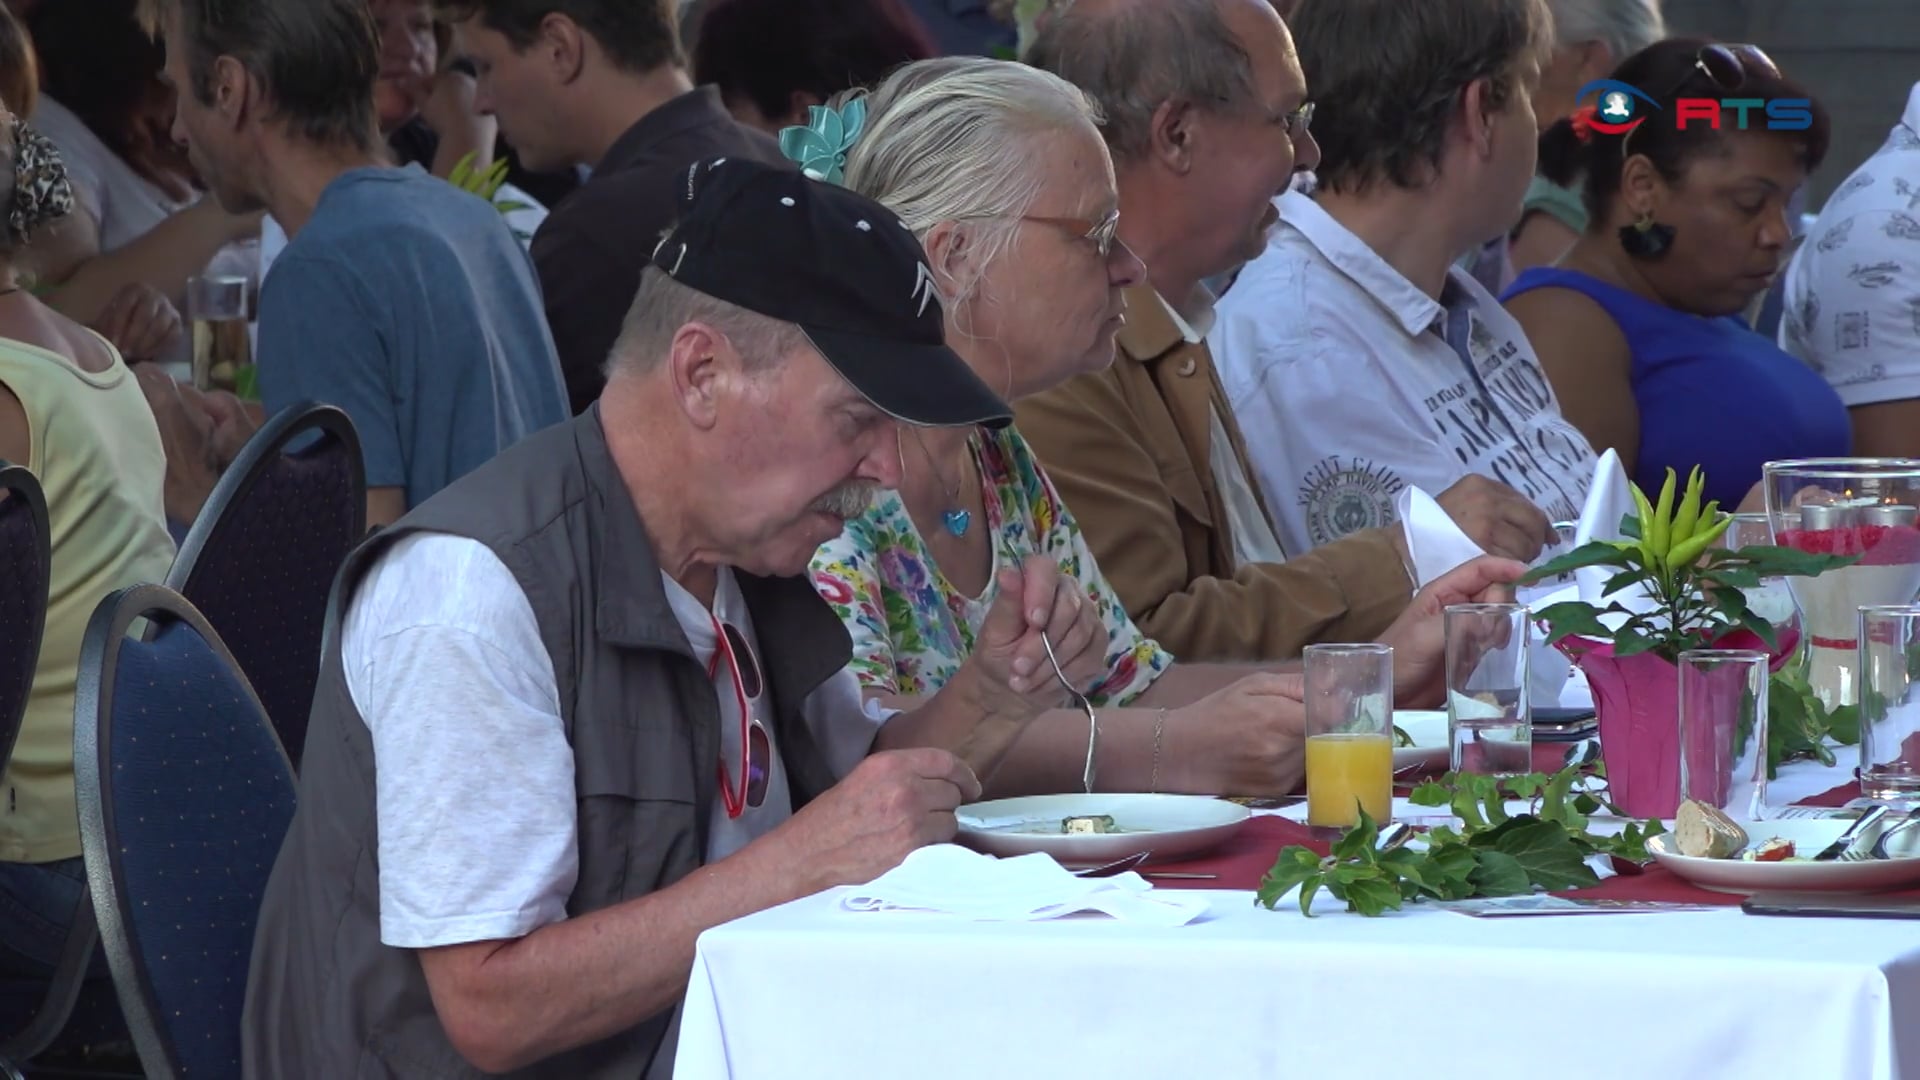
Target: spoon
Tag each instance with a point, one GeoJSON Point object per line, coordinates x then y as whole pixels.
{"type": "Point", "coordinates": [1115, 868]}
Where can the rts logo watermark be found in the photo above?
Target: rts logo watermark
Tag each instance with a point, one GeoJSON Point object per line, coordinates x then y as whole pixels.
{"type": "Point", "coordinates": [1620, 107]}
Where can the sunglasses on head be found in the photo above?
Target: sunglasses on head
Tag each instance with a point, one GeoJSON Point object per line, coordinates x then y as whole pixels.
{"type": "Point", "coordinates": [756, 750]}
{"type": "Point", "coordinates": [1725, 65]}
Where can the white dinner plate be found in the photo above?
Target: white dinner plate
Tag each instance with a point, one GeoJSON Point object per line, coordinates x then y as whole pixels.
{"type": "Point", "coordinates": [1809, 836]}
{"type": "Point", "coordinates": [1170, 826]}
{"type": "Point", "coordinates": [1428, 730]}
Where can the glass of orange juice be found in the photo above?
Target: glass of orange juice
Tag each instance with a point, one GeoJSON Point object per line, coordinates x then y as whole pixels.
{"type": "Point", "coordinates": [1349, 733]}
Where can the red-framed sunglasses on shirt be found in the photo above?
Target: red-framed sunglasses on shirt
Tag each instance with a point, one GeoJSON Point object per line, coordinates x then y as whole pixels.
{"type": "Point", "coordinates": [750, 790]}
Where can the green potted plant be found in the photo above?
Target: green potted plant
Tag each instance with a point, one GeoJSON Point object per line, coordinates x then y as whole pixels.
{"type": "Point", "coordinates": [1693, 597]}
{"type": "Point", "coordinates": [486, 183]}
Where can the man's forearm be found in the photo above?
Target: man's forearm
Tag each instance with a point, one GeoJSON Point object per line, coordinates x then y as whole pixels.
{"type": "Point", "coordinates": [576, 982]}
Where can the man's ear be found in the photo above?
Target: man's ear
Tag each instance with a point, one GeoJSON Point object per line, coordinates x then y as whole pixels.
{"type": "Point", "coordinates": [697, 364]}
{"type": "Point", "coordinates": [236, 93]}
{"type": "Point", "coordinates": [1172, 134]}
{"type": "Point", "coordinates": [1478, 116]}
{"type": "Point", "coordinates": [562, 46]}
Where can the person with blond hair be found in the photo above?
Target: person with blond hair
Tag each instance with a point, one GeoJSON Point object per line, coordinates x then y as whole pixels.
{"type": "Point", "coordinates": [1036, 280]}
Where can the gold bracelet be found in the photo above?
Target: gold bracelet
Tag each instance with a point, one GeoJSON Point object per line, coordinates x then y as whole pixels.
{"type": "Point", "coordinates": [1159, 726]}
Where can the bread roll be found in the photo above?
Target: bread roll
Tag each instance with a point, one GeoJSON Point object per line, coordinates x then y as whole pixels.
{"type": "Point", "coordinates": [1703, 832]}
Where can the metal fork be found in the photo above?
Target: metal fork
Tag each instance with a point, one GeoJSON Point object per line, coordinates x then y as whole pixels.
{"type": "Point", "coordinates": [1080, 699]}
{"type": "Point", "coordinates": [1878, 849]}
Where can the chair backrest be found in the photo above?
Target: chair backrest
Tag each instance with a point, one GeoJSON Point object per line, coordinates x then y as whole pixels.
{"type": "Point", "coordinates": [185, 796]}
{"type": "Point", "coordinates": [260, 559]}
{"type": "Point", "coordinates": [26, 569]}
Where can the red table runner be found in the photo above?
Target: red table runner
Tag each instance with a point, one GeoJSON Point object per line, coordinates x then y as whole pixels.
{"type": "Point", "coordinates": [1244, 859]}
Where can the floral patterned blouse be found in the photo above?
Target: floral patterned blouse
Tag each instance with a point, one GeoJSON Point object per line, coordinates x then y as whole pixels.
{"type": "Point", "coordinates": [912, 629]}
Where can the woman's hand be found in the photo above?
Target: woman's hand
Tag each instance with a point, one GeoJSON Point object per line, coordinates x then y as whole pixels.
{"type": "Point", "coordinates": [1032, 600]}
{"type": "Point", "coordinates": [1247, 738]}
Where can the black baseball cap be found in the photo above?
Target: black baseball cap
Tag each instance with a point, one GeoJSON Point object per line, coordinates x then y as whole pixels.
{"type": "Point", "coordinates": [844, 269]}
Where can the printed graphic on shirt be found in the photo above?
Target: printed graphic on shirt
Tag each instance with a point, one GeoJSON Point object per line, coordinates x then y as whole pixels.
{"type": "Point", "coordinates": [1834, 238]}
{"type": "Point", "coordinates": [1904, 188]}
{"type": "Point", "coordinates": [1903, 227]}
{"type": "Point", "coordinates": [1857, 183]}
{"type": "Point", "coordinates": [1345, 495]}
{"type": "Point", "coordinates": [1851, 330]}
{"type": "Point", "coordinates": [1481, 431]}
{"type": "Point", "coordinates": [1874, 275]}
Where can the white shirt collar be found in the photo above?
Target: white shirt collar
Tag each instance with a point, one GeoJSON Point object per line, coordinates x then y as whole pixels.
{"type": "Point", "coordinates": [1911, 118]}
{"type": "Point", "coordinates": [1414, 310]}
{"type": "Point", "coordinates": [1195, 332]}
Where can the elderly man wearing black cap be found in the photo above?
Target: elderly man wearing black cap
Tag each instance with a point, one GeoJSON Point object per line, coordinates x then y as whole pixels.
{"type": "Point", "coordinates": [575, 709]}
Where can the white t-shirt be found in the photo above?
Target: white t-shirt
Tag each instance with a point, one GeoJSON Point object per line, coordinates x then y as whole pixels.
{"type": "Point", "coordinates": [1852, 302]}
{"type": "Point", "coordinates": [1348, 386]}
{"type": "Point", "coordinates": [474, 780]}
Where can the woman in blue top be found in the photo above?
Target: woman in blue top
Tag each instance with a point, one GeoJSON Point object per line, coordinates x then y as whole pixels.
{"type": "Point", "coordinates": [1637, 325]}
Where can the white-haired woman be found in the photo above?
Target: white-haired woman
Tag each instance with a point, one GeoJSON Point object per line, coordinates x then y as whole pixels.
{"type": "Point", "coordinates": [1591, 37]}
{"type": "Point", "coordinates": [1001, 171]}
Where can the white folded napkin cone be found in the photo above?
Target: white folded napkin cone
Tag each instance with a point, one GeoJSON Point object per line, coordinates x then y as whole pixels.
{"type": "Point", "coordinates": [954, 880]}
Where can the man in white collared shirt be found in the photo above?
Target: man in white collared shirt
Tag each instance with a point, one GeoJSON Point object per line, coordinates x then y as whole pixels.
{"type": "Point", "coordinates": [1357, 356]}
{"type": "Point", "coordinates": [1853, 294]}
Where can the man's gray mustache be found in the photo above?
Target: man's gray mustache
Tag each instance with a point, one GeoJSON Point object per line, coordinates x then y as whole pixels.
{"type": "Point", "coordinates": [846, 502]}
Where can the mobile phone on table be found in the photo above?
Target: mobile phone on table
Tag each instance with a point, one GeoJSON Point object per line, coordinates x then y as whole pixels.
{"type": "Point", "coordinates": [1834, 905]}
{"type": "Point", "coordinates": [1550, 725]}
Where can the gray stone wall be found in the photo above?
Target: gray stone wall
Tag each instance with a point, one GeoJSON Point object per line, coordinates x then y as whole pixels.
{"type": "Point", "coordinates": [1860, 57]}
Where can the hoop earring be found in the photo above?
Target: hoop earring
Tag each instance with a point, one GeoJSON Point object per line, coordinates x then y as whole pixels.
{"type": "Point", "coordinates": [1646, 239]}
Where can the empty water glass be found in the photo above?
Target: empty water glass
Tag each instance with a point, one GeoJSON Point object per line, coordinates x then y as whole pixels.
{"type": "Point", "coordinates": [1723, 730]}
{"type": "Point", "coordinates": [1489, 706]}
{"type": "Point", "coordinates": [1890, 704]}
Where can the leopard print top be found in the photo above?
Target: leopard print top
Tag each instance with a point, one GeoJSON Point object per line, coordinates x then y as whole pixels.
{"type": "Point", "coordinates": [41, 192]}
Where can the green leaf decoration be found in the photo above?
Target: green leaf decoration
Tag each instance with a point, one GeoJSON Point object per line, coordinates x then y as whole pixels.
{"type": "Point", "coordinates": [1545, 848]}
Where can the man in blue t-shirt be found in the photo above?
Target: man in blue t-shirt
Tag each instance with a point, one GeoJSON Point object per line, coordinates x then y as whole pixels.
{"type": "Point", "coordinates": [401, 299]}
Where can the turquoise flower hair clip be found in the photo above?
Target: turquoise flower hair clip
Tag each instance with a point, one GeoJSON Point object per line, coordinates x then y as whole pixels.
{"type": "Point", "coordinates": [821, 146]}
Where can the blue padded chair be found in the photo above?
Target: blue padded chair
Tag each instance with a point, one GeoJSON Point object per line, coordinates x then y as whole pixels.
{"type": "Point", "coordinates": [185, 797]}
{"type": "Point", "coordinates": [260, 559]}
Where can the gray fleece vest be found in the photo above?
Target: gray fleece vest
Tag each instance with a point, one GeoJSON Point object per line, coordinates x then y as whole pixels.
{"type": "Point", "coordinates": [325, 998]}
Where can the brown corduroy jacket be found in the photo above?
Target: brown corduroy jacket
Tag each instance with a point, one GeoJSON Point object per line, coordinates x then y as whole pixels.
{"type": "Point", "coordinates": [1129, 449]}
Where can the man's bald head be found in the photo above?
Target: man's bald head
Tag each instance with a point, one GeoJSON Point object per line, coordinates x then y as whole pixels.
{"type": "Point", "coordinates": [1133, 56]}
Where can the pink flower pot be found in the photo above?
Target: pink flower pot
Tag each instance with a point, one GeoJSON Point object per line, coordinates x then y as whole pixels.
{"type": "Point", "coordinates": [1638, 702]}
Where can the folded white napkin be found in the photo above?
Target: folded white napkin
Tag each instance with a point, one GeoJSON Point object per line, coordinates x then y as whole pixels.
{"type": "Point", "coordinates": [1608, 501]}
{"type": "Point", "coordinates": [954, 880]}
{"type": "Point", "coordinates": [1437, 546]}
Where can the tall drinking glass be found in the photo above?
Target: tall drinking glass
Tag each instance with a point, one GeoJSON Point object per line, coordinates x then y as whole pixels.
{"type": "Point", "coordinates": [1846, 506]}
{"type": "Point", "coordinates": [222, 347]}
{"type": "Point", "coordinates": [1773, 600]}
{"type": "Point", "coordinates": [1723, 730]}
{"type": "Point", "coordinates": [1890, 704]}
{"type": "Point", "coordinates": [1349, 733]}
{"type": "Point", "coordinates": [1489, 711]}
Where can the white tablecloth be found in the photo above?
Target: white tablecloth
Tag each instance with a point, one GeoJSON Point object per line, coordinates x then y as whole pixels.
{"type": "Point", "coordinates": [810, 990]}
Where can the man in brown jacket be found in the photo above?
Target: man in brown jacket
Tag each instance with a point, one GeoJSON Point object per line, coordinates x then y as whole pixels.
{"type": "Point", "coordinates": [1207, 116]}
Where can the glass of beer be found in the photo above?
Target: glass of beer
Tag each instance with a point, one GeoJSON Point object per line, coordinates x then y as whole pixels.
{"type": "Point", "coordinates": [1349, 734]}
{"type": "Point", "coordinates": [222, 347]}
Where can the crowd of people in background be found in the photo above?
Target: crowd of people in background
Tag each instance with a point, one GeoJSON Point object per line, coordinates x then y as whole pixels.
{"type": "Point", "coordinates": [822, 377]}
